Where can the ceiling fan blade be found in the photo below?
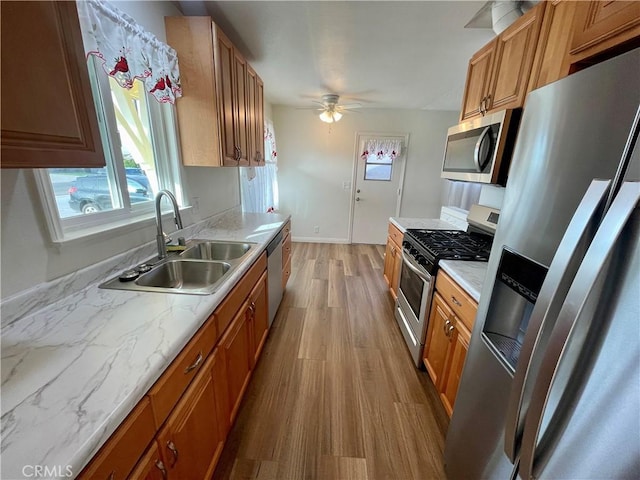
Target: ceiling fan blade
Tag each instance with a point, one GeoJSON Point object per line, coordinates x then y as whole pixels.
{"type": "Point", "coordinates": [350, 105]}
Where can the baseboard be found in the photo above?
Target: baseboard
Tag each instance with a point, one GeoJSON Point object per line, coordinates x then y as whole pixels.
{"type": "Point", "coordinates": [319, 240]}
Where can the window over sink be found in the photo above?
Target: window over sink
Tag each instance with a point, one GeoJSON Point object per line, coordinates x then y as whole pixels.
{"type": "Point", "coordinates": [139, 138]}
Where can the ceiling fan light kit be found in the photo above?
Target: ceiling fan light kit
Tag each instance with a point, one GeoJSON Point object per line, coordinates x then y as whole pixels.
{"type": "Point", "coordinates": [329, 116]}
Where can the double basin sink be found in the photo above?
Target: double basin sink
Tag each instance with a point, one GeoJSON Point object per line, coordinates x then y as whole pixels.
{"type": "Point", "coordinates": [199, 269]}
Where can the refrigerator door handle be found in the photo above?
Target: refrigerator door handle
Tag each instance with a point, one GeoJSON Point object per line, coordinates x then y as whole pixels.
{"type": "Point", "coordinates": [576, 315]}
{"type": "Point", "coordinates": [561, 272]}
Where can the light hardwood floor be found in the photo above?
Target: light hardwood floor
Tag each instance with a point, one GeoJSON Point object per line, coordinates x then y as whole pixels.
{"type": "Point", "coordinates": [335, 394]}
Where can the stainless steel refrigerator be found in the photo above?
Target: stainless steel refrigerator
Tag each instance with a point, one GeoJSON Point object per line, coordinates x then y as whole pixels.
{"type": "Point", "coordinates": [551, 383]}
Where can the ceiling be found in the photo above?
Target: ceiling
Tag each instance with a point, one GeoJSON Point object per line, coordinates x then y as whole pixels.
{"type": "Point", "coordinates": [395, 54]}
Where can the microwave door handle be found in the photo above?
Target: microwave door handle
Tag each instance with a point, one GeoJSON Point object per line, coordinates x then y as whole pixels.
{"type": "Point", "coordinates": [574, 320]}
{"type": "Point", "coordinates": [480, 164]}
{"type": "Point", "coordinates": [562, 270]}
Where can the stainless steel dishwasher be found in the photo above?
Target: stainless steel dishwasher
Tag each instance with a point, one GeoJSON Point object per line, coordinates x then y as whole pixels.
{"type": "Point", "coordinates": [274, 275]}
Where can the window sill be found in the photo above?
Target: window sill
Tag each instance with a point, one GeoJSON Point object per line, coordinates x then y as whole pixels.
{"type": "Point", "coordinates": [119, 227]}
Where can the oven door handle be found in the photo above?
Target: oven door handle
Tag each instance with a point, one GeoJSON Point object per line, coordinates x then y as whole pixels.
{"type": "Point", "coordinates": [409, 263]}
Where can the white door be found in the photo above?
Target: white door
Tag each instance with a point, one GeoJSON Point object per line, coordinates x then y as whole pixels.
{"type": "Point", "coordinates": [378, 186]}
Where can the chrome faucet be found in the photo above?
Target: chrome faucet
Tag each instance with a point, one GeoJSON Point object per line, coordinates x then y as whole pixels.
{"type": "Point", "coordinates": [162, 246]}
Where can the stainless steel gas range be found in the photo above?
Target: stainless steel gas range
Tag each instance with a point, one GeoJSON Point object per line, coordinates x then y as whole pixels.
{"type": "Point", "coordinates": [421, 252]}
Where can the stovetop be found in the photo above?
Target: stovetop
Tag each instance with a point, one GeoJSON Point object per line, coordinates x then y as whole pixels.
{"type": "Point", "coordinates": [428, 247]}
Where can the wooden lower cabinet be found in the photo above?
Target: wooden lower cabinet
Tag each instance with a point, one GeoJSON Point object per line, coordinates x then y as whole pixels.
{"type": "Point", "coordinates": [460, 345]}
{"type": "Point", "coordinates": [237, 351]}
{"type": "Point", "coordinates": [438, 339]}
{"type": "Point", "coordinates": [259, 317]}
{"type": "Point", "coordinates": [451, 319]}
{"type": "Point", "coordinates": [192, 439]}
{"type": "Point", "coordinates": [393, 259]}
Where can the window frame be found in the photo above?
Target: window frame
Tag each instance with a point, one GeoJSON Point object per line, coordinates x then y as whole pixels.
{"type": "Point", "coordinates": [163, 132]}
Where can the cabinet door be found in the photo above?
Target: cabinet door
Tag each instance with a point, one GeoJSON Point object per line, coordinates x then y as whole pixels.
{"type": "Point", "coordinates": [550, 62]}
{"type": "Point", "coordinates": [438, 339]}
{"type": "Point", "coordinates": [388, 262]}
{"type": "Point", "coordinates": [259, 120]}
{"type": "Point", "coordinates": [478, 76]}
{"type": "Point", "coordinates": [150, 466]}
{"type": "Point", "coordinates": [240, 107]}
{"type": "Point", "coordinates": [225, 66]}
{"type": "Point", "coordinates": [191, 439]}
{"type": "Point", "coordinates": [236, 346]}
{"type": "Point", "coordinates": [48, 115]}
{"type": "Point", "coordinates": [251, 117]}
{"type": "Point", "coordinates": [460, 345]}
{"type": "Point", "coordinates": [601, 25]}
{"type": "Point", "coordinates": [259, 311]}
{"type": "Point", "coordinates": [397, 266]}
{"type": "Point", "coordinates": [515, 49]}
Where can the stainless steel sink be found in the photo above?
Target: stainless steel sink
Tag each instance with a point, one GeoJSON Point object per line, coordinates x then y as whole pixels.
{"type": "Point", "coordinates": [184, 275]}
{"type": "Point", "coordinates": [199, 270]}
{"type": "Point", "coordinates": [214, 250]}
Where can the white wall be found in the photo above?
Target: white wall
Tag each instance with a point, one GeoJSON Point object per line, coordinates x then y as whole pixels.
{"type": "Point", "coordinates": [314, 159]}
{"type": "Point", "coordinates": [27, 255]}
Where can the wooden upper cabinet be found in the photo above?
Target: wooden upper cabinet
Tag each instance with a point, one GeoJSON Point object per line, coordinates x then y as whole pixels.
{"type": "Point", "coordinates": [259, 121]}
{"type": "Point", "coordinates": [478, 77]}
{"type": "Point", "coordinates": [550, 62]}
{"type": "Point", "coordinates": [225, 65]}
{"type": "Point", "coordinates": [515, 50]}
{"type": "Point", "coordinates": [48, 115]}
{"type": "Point", "coordinates": [192, 38]}
{"type": "Point", "coordinates": [221, 103]}
{"type": "Point", "coordinates": [255, 117]}
{"type": "Point", "coordinates": [601, 26]}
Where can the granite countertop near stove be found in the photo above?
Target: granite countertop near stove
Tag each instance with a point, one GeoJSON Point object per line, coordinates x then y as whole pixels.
{"type": "Point", "coordinates": [469, 275]}
{"type": "Point", "coordinates": [75, 365]}
{"type": "Point", "coordinates": [404, 223]}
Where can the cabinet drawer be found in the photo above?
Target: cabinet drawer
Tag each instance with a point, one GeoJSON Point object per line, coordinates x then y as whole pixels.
{"type": "Point", "coordinates": [119, 455]}
{"type": "Point", "coordinates": [171, 385]}
{"type": "Point", "coordinates": [395, 234]}
{"type": "Point", "coordinates": [286, 273]}
{"type": "Point", "coordinates": [460, 302]}
{"type": "Point", "coordinates": [286, 230]}
{"type": "Point", "coordinates": [230, 305]}
{"type": "Point", "coordinates": [286, 250]}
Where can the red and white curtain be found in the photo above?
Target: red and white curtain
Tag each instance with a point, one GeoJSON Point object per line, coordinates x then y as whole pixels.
{"type": "Point", "coordinates": [259, 185]}
{"type": "Point", "coordinates": [128, 52]}
{"type": "Point", "coordinates": [382, 148]}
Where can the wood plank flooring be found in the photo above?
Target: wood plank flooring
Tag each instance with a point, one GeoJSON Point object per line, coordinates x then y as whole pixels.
{"type": "Point", "coordinates": [335, 394]}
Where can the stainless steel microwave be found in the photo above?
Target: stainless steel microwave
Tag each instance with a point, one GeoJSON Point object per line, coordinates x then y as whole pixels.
{"type": "Point", "coordinates": [479, 150]}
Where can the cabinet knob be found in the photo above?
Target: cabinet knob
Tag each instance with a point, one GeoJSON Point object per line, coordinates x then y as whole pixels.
{"type": "Point", "coordinates": [163, 470]}
{"type": "Point", "coordinates": [447, 324]}
{"type": "Point", "coordinates": [171, 446]}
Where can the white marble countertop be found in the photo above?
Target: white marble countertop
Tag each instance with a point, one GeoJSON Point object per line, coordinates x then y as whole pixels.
{"type": "Point", "coordinates": [469, 275]}
{"type": "Point", "coordinates": [404, 223]}
{"type": "Point", "coordinates": [72, 371]}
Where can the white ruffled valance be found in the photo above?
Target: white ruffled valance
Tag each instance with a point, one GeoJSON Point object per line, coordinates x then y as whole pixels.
{"type": "Point", "coordinates": [382, 148]}
{"type": "Point", "coordinates": [128, 51]}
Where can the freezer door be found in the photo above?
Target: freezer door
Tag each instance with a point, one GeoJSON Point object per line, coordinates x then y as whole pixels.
{"type": "Point", "coordinates": [584, 416]}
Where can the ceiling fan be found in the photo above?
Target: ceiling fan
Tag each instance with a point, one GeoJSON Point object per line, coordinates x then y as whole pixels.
{"type": "Point", "coordinates": [331, 110]}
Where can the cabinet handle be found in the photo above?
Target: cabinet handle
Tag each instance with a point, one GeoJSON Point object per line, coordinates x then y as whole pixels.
{"type": "Point", "coordinates": [160, 466]}
{"type": "Point", "coordinates": [487, 104]}
{"type": "Point", "coordinates": [450, 330]}
{"type": "Point", "coordinates": [447, 323]}
{"type": "Point", "coordinates": [112, 475]}
{"type": "Point", "coordinates": [393, 251]}
{"type": "Point", "coordinates": [455, 301]}
{"type": "Point", "coordinates": [195, 364]}
{"type": "Point", "coordinates": [171, 446]}
{"type": "Point", "coordinates": [252, 309]}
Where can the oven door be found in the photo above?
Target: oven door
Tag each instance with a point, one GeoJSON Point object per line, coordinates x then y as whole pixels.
{"type": "Point", "coordinates": [414, 296]}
